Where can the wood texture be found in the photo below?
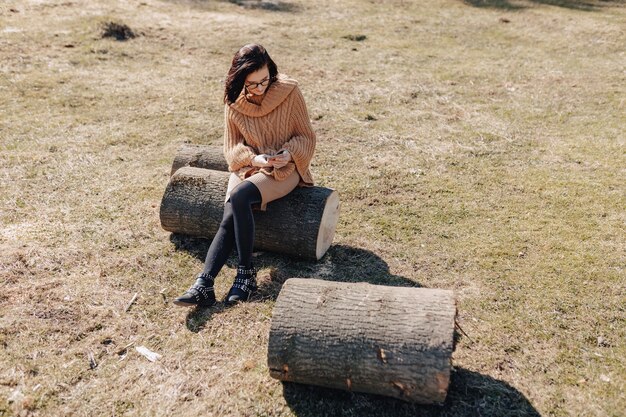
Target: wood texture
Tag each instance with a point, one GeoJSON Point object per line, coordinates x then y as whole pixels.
{"type": "Point", "coordinates": [392, 341]}
{"type": "Point", "coordinates": [302, 224]}
{"type": "Point", "coordinates": [200, 156]}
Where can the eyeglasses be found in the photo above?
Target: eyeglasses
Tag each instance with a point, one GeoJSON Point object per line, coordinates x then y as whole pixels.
{"type": "Point", "coordinates": [252, 86]}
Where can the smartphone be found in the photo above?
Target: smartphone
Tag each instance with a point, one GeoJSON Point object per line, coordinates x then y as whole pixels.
{"type": "Point", "coordinates": [272, 157]}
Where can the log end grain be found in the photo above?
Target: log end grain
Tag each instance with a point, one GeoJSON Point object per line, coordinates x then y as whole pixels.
{"type": "Point", "coordinates": [192, 203]}
{"type": "Point", "coordinates": [328, 225]}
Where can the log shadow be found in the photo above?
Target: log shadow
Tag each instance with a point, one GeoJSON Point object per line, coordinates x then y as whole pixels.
{"type": "Point", "coordinates": [340, 263]}
{"type": "Point", "coordinates": [195, 246]}
{"type": "Point", "coordinates": [470, 394]}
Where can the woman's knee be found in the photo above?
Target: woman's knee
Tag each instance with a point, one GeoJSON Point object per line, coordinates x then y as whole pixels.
{"type": "Point", "coordinates": [245, 193]}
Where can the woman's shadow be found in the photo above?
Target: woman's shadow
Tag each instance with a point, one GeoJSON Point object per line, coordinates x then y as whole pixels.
{"type": "Point", "coordinates": [470, 393]}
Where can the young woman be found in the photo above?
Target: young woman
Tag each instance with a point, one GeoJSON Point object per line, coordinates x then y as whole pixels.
{"type": "Point", "coordinates": [268, 144]}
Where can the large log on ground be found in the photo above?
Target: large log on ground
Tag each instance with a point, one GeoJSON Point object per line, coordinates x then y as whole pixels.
{"type": "Point", "coordinates": [393, 341]}
{"type": "Point", "coordinates": [200, 156]}
{"type": "Point", "coordinates": [301, 224]}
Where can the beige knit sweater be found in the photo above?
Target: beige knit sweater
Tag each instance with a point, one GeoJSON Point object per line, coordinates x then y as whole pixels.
{"type": "Point", "coordinates": [267, 124]}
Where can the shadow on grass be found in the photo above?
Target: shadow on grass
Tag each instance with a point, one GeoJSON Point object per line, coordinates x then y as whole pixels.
{"type": "Point", "coordinates": [198, 317]}
{"type": "Point", "coordinates": [470, 394]}
{"type": "Point", "coordinates": [341, 263]}
{"type": "Point", "coordinates": [584, 5]}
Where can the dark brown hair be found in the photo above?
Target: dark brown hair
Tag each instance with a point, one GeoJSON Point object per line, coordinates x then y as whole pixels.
{"type": "Point", "coordinates": [248, 59]}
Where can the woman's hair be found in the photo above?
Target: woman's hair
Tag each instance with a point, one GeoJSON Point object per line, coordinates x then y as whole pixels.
{"type": "Point", "coordinates": [248, 59]}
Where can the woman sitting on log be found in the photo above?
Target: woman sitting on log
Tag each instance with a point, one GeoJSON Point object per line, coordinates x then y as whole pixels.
{"type": "Point", "coordinates": [268, 144]}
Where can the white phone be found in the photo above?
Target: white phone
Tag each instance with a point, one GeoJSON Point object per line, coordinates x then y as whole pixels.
{"type": "Point", "coordinates": [272, 157]}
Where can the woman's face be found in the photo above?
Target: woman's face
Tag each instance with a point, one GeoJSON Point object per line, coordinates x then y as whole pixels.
{"type": "Point", "coordinates": [256, 82]}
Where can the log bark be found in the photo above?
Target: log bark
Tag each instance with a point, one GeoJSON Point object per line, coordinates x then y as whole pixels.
{"type": "Point", "coordinates": [392, 341]}
{"type": "Point", "coordinates": [200, 156]}
{"type": "Point", "coordinates": [302, 224]}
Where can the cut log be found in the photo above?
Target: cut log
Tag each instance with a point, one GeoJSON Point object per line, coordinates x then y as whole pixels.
{"type": "Point", "coordinates": [200, 156]}
{"type": "Point", "coordinates": [301, 224]}
{"type": "Point", "coordinates": [392, 341]}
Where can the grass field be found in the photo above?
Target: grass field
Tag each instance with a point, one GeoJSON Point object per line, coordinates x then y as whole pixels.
{"type": "Point", "coordinates": [477, 146]}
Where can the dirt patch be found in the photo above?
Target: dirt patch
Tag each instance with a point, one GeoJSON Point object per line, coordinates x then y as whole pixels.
{"type": "Point", "coordinates": [356, 38]}
{"type": "Point", "coordinates": [274, 6]}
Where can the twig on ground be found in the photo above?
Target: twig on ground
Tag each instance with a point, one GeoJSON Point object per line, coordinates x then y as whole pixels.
{"type": "Point", "coordinates": [92, 361]}
{"type": "Point", "coordinates": [458, 326]}
{"type": "Point", "coordinates": [132, 301]}
{"type": "Point", "coordinates": [125, 348]}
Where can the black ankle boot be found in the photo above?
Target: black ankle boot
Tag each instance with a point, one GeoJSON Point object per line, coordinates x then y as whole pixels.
{"type": "Point", "coordinates": [243, 287]}
{"type": "Point", "coordinates": [200, 294]}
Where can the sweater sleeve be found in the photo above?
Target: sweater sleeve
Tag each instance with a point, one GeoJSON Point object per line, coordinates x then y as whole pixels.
{"type": "Point", "coordinates": [236, 152]}
{"type": "Point", "coordinates": [302, 143]}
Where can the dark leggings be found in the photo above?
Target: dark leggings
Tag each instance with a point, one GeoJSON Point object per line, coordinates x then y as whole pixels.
{"type": "Point", "coordinates": [237, 227]}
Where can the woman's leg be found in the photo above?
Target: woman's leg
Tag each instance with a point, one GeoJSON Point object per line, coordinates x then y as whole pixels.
{"type": "Point", "coordinates": [202, 292]}
{"type": "Point", "coordinates": [222, 244]}
{"type": "Point", "coordinates": [242, 198]}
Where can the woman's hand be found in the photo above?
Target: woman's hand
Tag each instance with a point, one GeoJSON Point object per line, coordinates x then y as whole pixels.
{"type": "Point", "coordinates": [277, 161]}
{"type": "Point", "coordinates": [282, 159]}
{"type": "Point", "coordinates": [261, 161]}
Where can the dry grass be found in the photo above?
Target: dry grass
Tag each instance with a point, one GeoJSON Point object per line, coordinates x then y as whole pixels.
{"type": "Point", "coordinates": [476, 146]}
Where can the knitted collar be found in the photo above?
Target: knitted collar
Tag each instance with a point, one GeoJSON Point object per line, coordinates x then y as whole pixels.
{"type": "Point", "coordinates": [274, 96]}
